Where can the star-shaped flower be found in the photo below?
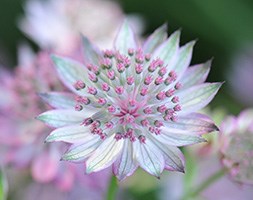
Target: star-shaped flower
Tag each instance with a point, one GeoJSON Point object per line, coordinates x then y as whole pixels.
{"type": "Point", "coordinates": [132, 105]}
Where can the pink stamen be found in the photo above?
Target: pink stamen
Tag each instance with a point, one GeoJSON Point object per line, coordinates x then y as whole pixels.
{"type": "Point", "coordinates": [111, 109]}
{"type": "Point", "coordinates": [79, 85]}
{"type": "Point", "coordinates": [170, 92]}
{"type": "Point", "coordinates": [148, 110]}
{"type": "Point", "coordinates": [142, 139]}
{"type": "Point", "coordinates": [102, 101]}
{"type": "Point", "coordinates": [93, 77]}
{"type": "Point", "coordinates": [158, 80]}
{"type": "Point", "coordinates": [175, 99]}
{"type": "Point", "coordinates": [145, 122]}
{"type": "Point", "coordinates": [148, 80]}
{"type": "Point", "coordinates": [130, 52]}
{"type": "Point", "coordinates": [161, 95]}
{"type": "Point", "coordinates": [92, 90]}
{"type": "Point", "coordinates": [119, 90]}
{"type": "Point", "coordinates": [144, 91]}
{"type": "Point", "coordinates": [78, 107]}
{"type": "Point", "coordinates": [83, 100]}
{"type": "Point", "coordinates": [138, 68]}
{"type": "Point", "coordinates": [111, 74]}
{"type": "Point", "coordinates": [130, 80]}
{"type": "Point", "coordinates": [162, 108]}
{"type": "Point", "coordinates": [178, 86]}
{"type": "Point", "coordinates": [118, 136]}
{"type": "Point", "coordinates": [105, 87]}
{"type": "Point", "coordinates": [177, 107]}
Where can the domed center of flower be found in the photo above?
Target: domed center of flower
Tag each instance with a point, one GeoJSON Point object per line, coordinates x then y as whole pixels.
{"type": "Point", "coordinates": [134, 94]}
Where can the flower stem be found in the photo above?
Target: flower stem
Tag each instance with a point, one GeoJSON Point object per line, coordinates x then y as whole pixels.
{"type": "Point", "coordinates": [205, 184]}
{"type": "Point", "coordinates": [112, 189]}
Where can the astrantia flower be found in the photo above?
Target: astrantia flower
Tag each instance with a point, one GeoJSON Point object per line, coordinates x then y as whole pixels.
{"type": "Point", "coordinates": [132, 105]}
{"type": "Point", "coordinates": [237, 146]}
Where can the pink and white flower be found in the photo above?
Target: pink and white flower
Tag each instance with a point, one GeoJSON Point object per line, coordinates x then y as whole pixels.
{"type": "Point", "coordinates": [132, 106]}
{"type": "Point", "coordinates": [57, 24]}
{"type": "Point", "coordinates": [237, 146]}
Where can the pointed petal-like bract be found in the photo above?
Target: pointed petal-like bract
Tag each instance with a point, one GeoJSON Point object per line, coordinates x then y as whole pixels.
{"type": "Point", "coordinates": [59, 118]}
{"type": "Point", "coordinates": [168, 49]}
{"type": "Point", "coordinates": [155, 39]}
{"type": "Point", "coordinates": [125, 165]}
{"type": "Point", "coordinates": [178, 138]}
{"type": "Point", "coordinates": [149, 157]}
{"type": "Point", "coordinates": [59, 100]}
{"type": "Point", "coordinates": [105, 155]}
{"type": "Point", "coordinates": [70, 71]}
{"type": "Point", "coordinates": [197, 97]}
{"type": "Point", "coordinates": [92, 55]}
{"type": "Point", "coordinates": [193, 123]}
{"type": "Point", "coordinates": [183, 59]}
{"type": "Point", "coordinates": [125, 39]}
{"type": "Point", "coordinates": [196, 74]}
{"type": "Point", "coordinates": [70, 134]}
{"type": "Point", "coordinates": [79, 152]}
{"type": "Point", "coordinates": [174, 158]}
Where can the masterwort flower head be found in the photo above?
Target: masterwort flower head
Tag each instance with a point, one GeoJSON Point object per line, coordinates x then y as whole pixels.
{"type": "Point", "coordinates": [237, 146]}
{"type": "Point", "coordinates": [132, 105]}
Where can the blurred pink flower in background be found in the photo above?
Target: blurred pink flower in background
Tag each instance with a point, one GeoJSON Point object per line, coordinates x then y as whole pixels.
{"type": "Point", "coordinates": [57, 24]}
{"type": "Point", "coordinates": [240, 77]}
{"type": "Point", "coordinates": [237, 146]}
{"type": "Point", "coordinates": [22, 137]}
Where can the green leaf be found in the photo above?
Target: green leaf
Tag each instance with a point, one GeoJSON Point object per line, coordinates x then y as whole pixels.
{"type": "Point", "coordinates": [3, 185]}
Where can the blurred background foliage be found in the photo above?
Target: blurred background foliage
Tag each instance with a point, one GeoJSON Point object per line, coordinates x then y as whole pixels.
{"type": "Point", "coordinates": [222, 28]}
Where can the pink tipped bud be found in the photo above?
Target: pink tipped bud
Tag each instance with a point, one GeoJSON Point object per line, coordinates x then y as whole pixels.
{"type": "Point", "coordinates": [102, 101]}
{"type": "Point", "coordinates": [145, 122]}
{"type": "Point", "coordinates": [111, 75]}
{"type": "Point", "coordinates": [92, 90]}
{"type": "Point", "coordinates": [78, 107]}
{"type": "Point", "coordinates": [87, 121]}
{"type": "Point", "coordinates": [120, 67]}
{"type": "Point", "coordinates": [93, 77]}
{"type": "Point", "coordinates": [106, 63]}
{"type": "Point", "coordinates": [173, 75]}
{"type": "Point", "coordinates": [148, 57]}
{"type": "Point", "coordinates": [142, 139]}
{"type": "Point", "coordinates": [170, 92]}
{"type": "Point", "coordinates": [105, 87]}
{"type": "Point", "coordinates": [82, 100]}
{"type": "Point", "coordinates": [79, 85]}
{"type": "Point", "coordinates": [162, 71]}
{"type": "Point", "coordinates": [168, 81]}
{"type": "Point", "coordinates": [148, 110]}
{"type": "Point", "coordinates": [177, 107]}
{"type": "Point", "coordinates": [148, 80]}
{"type": "Point", "coordinates": [178, 86]}
{"type": "Point", "coordinates": [108, 53]}
{"type": "Point", "coordinates": [175, 99]}
{"type": "Point", "coordinates": [158, 80]}
{"type": "Point", "coordinates": [144, 91]}
{"type": "Point", "coordinates": [161, 95]}
{"type": "Point", "coordinates": [118, 136]}
{"type": "Point", "coordinates": [109, 125]}
{"type": "Point", "coordinates": [130, 52]}
{"type": "Point", "coordinates": [129, 119]}
{"type": "Point", "coordinates": [130, 80]}
{"type": "Point", "coordinates": [111, 109]}
{"type": "Point", "coordinates": [138, 68]}
{"type": "Point", "coordinates": [119, 90]}
{"type": "Point", "coordinates": [161, 108]}
{"type": "Point", "coordinates": [158, 123]}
